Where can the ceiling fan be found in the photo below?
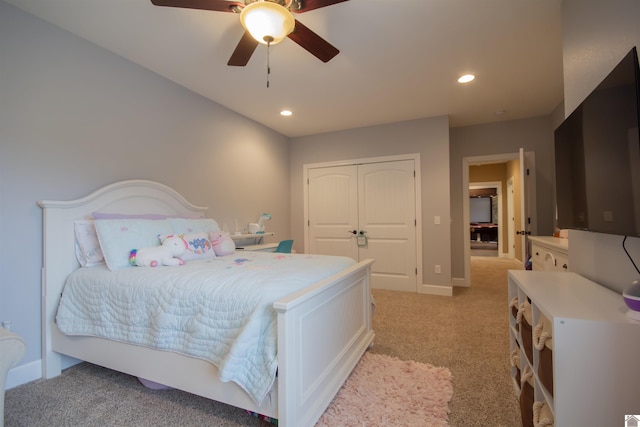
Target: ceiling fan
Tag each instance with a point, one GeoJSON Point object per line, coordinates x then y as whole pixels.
{"type": "Point", "coordinates": [282, 9]}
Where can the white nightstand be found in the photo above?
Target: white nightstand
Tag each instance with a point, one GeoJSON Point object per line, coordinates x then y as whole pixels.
{"type": "Point", "coordinates": [247, 240]}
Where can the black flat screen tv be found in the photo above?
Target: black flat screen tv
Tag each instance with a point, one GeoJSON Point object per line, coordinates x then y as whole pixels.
{"type": "Point", "coordinates": [597, 157]}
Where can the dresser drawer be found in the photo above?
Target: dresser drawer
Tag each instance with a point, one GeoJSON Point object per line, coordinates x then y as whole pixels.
{"type": "Point", "coordinates": [548, 259]}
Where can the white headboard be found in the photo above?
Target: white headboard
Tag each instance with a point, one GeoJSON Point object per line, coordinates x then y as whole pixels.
{"type": "Point", "coordinates": [129, 197]}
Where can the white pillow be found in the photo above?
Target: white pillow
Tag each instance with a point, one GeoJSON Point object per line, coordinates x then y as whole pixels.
{"type": "Point", "coordinates": [88, 251]}
{"type": "Point", "coordinates": [118, 237]}
{"type": "Point", "coordinates": [198, 245]}
{"type": "Point", "coordinates": [185, 226]}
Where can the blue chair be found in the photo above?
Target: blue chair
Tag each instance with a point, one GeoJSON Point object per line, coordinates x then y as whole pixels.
{"type": "Point", "coordinates": [285, 246]}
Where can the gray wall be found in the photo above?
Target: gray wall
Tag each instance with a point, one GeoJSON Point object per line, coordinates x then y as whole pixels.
{"type": "Point", "coordinates": [535, 135]}
{"type": "Point", "coordinates": [74, 117]}
{"type": "Point", "coordinates": [596, 35]}
{"type": "Point", "coordinates": [429, 137]}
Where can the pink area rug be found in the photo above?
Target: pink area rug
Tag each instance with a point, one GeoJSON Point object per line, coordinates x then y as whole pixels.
{"type": "Point", "coordinates": [386, 391]}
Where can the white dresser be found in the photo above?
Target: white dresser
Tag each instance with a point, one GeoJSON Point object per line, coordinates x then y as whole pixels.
{"type": "Point", "coordinates": [586, 371]}
{"type": "Point", "coordinates": [549, 253]}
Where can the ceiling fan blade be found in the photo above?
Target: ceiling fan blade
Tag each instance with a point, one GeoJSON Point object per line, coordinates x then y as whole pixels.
{"type": "Point", "coordinates": [244, 50]}
{"type": "Point", "coordinates": [313, 43]}
{"type": "Point", "coordinates": [215, 5]}
{"type": "Point", "coordinates": [308, 5]}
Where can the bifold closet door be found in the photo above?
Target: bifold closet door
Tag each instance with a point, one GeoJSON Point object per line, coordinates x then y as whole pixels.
{"type": "Point", "coordinates": [374, 200]}
{"type": "Point", "coordinates": [387, 212]}
{"type": "Point", "coordinates": [333, 210]}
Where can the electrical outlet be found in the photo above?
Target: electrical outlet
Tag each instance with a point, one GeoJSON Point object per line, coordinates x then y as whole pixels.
{"type": "Point", "coordinates": [437, 269]}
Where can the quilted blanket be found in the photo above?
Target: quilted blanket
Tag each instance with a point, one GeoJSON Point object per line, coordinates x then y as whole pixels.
{"type": "Point", "coordinates": [219, 310]}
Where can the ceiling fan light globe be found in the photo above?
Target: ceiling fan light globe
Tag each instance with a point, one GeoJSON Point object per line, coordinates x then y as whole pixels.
{"type": "Point", "coordinates": [267, 22]}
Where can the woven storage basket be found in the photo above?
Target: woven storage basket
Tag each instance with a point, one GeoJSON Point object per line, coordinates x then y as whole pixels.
{"type": "Point", "coordinates": [527, 397]}
{"type": "Point", "coordinates": [542, 416]}
{"type": "Point", "coordinates": [526, 331]}
{"type": "Point", "coordinates": [513, 309]}
{"type": "Point", "coordinates": [543, 342]}
{"type": "Point", "coordinates": [515, 363]}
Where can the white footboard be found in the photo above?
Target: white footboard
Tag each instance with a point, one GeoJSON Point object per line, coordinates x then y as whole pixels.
{"type": "Point", "coordinates": [322, 334]}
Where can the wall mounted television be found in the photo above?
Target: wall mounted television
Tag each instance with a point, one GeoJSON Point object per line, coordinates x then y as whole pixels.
{"type": "Point", "coordinates": [597, 157]}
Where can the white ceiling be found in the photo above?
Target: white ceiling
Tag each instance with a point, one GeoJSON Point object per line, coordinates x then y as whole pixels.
{"type": "Point", "coordinates": [399, 60]}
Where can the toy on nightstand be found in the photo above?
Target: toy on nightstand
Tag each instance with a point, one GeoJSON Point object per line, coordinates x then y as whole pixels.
{"type": "Point", "coordinates": [258, 228]}
{"type": "Point", "coordinates": [221, 243]}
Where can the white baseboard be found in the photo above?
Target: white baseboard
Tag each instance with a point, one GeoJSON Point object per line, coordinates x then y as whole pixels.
{"type": "Point", "coordinates": [23, 374]}
{"type": "Point", "coordinates": [460, 282]}
{"type": "Point", "coordinates": [436, 290]}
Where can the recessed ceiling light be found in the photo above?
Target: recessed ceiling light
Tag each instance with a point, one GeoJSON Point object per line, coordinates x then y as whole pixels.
{"type": "Point", "coordinates": [286, 113]}
{"type": "Point", "coordinates": [466, 78]}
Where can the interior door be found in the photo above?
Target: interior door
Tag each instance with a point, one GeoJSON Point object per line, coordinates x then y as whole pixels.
{"type": "Point", "coordinates": [528, 224]}
{"type": "Point", "coordinates": [525, 188]}
{"type": "Point", "coordinates": [510, 219]}
{"type": "Point", "coordinates": [387, 216]}
{"type": "Point", "coordinates": [333, 210]}
{"type": "Point", "coordinates": [367, 211]}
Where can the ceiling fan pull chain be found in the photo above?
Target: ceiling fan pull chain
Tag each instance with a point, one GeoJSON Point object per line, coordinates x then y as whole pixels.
{"type": "Point", "coordinates": [268, 39]}
{"type": "Point", "coordinates": [268, 64]}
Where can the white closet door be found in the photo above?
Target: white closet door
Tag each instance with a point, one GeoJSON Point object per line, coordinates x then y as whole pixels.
{"type": "Point", "coordinates": [387, 214]}
{"type": "Point", "coordinates": [333, 210]}
{"type": "Point", "coordinates": [376, 198]}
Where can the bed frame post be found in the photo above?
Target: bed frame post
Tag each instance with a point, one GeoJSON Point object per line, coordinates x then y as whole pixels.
{"type": "Point", "coordinates": [56, 264]}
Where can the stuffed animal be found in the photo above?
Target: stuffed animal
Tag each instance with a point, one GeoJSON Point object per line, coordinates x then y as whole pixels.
{"type": "Point", "coordinates": [222, 243]}
{"type": "Point", "coordinates": [167, 254]}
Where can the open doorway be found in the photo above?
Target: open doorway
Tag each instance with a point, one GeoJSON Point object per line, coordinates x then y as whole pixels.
{"type": "Point", "coordinates": [518, 183]}
{"type": "Point", "coordinates": [485, 218]}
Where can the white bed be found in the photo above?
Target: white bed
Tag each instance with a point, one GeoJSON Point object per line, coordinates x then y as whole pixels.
{"type": "Point", "coordinates": [322, 329]}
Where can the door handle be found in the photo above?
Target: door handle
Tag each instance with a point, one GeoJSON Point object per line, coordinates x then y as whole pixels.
{"type": "Point", "coordinates": [352, 231]}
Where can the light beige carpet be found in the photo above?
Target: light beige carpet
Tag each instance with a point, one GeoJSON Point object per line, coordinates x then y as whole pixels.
{"type": "Point", "coordinates": [468, 333]}
{"type": "Point", "coordinates": [381, 391]}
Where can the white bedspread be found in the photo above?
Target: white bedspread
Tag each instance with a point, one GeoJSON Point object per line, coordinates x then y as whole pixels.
{"type": "Point", "coordinates": [219, 310]}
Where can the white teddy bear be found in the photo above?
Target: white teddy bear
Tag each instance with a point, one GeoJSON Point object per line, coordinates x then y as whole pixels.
{"type": "Point", "coordinates": [167, 254]}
